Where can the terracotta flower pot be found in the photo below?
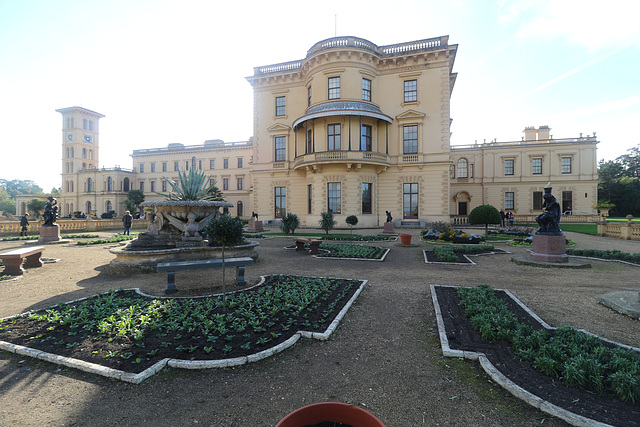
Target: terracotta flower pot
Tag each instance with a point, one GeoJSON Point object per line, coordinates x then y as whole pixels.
{"type": "Point", "coordinates": [405, 239]}
{"type": "Point", "coordinates": [330, 412]}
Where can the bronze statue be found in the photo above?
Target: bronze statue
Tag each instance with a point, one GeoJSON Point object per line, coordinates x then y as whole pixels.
{"type": "Point", "coordinates": [389, 217]}
{"type": "Point", "coordinates": [50, 211]}
{"type": "Point", "coordinates": [549, 220]}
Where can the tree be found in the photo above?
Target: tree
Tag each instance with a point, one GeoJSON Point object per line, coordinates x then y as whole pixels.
{"type": "Point", "coordinates": [485, 214]}
{"type": "Point", "coordinates": [351, 220]}
{"type": "Point", "coordinates": [17, 186]}
{"type": "Point", "coordinates": [327, 222]}
{"type": "Point", "coordinates": [289, 223]}
{"type": "Point", "coordinates": [619, 182]}
{"type": "Point", "coordinates": [7, 204]}
{"type": "Point", "coordinates": [133, 200]}
{"type": "Point", "coordinates": [36, 206]}
{"type": "Point", "coordinates": [225, 231]}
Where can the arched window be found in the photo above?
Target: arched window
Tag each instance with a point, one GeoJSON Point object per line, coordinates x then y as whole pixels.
{"type": "Point", "coordinates": [463, 168]}
{"type": "Point", "coordinates": [90, 154]}
{"type": "Point", "coordinates": [126, 185]}
{"type": "Point", "coordinates": [88, 208]}
{"type": "Point", "coordinates": [109, 184]}
{"type": "Point", "coordinates": [84, 153]}
{"type": "Point", "coordinates": [193, 162]}
{"type": "Point", "coordinates": [90, 185]}
{"type": "Point", "coordinates": [109, 206]}
{"type": "Point", "coordinates": [239, 209]}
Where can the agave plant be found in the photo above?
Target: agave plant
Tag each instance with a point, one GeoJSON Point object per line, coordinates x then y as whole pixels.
{"type": "Point", "coordinates": [192, 186]}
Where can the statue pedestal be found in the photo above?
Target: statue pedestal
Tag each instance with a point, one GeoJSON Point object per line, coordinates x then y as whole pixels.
{"type": "Point", "coordinates": [255, 226]}
{"type": "Point", "coordinates": [549, 248]}
{"type": "Point", "coordinates": [388, 228]}
{"type": "Point", "coordinates": [49, 233]}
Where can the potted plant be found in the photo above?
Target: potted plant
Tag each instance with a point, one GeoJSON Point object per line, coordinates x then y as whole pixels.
{"type": "Point", "coordinates": [330, 412]}
{"type": "Point", "coordinates": [405, 239]}
{"type": "Point", "coordinates": [604, 206]}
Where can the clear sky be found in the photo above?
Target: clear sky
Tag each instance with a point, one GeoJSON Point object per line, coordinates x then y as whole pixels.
{"type": "Point", "coordinates": [165, 71]}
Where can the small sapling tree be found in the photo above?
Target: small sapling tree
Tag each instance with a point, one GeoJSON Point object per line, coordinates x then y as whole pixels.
{"type": "Point", "coordinates": [225, 231]}
{"type": "Point", "coordinates": [485, 214]}
{"type": "Point", "coordinates": [351, 220]}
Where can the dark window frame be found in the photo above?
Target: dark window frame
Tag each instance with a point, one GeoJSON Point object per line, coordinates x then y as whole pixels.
{"type": "Point", "coordinates": [333, 84]}
{"type": "Point", "coordinates": [410, 139]}
{"type": "Point", "coordinates": [366, 89]}
{"type": "Point", "coordinates": [280, 148]}
{"type": "Point", "coordinates": [334, 133]}
{"type": "Point", "coordinates": [281, 106]}
{"type": "Point", "coordinates": [411, 90]}
{"type": "Point", "coordinates": [334, 197]}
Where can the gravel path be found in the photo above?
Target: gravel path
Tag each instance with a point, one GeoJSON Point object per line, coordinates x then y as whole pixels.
{"type": "Point", "coordinates": [385, 356]}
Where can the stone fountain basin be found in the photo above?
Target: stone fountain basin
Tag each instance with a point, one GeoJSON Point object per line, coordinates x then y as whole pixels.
{"type": "Point", "coordinates": [145, 261]}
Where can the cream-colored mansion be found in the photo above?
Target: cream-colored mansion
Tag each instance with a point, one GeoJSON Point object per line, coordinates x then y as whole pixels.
{"type": "Point", "coordinates": [352, 128]}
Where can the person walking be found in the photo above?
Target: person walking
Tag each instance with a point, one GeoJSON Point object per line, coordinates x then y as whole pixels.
{"type": "Point", "coordinates": [24, 224]}
{"type": "Point", "coordinates": [502, 216]}
{"type": "Point", "coordinates": [127, 219]}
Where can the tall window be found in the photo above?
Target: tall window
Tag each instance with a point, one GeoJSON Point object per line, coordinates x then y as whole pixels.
{"type": "Point", "coordinates": [567, 201]}
{"type": "Point", "coordinates": [164, 185]}
{"type": "Point", "coordinates": [239, 162]}
{"type": "Point", "coordinates": [334, 197]}
{"type": "Point", "coordinates": [309, 96]}
{"type": "Point", "coordinates": [410, 139]}
{"type": "Point", "coordinates": [537, 200]}
{"type": "Point", "coordinates": [410, 90]}
{"type": "Point", "coordinates": [281, 106]}
{"type": "Point", "coordinates": [141, 167]}
{"type": "Point", "coordinates": [164, 166]}
{"type": "Point", "coordinates": [333, 137]}
{"type": "Point", "coordinates": [463, 168]}
{"type": "Point", "coordinates": [90, 185]}
{"type": "Point", "coordinates": [309, 141]}
{"type": "Point", "coordinates": [508, 167]}
{"type": "Point", "coordinates": [410, 200]}
{"type": "Point", "coordinates": [565, 165]}
{"type": "Point", "coordinates": [309, 198]}
{"type": "Point", "coordinates": [212, 164]}
{"type": "Point", "coordinates": [142, 186]}
{"type": "Point", "coordinates": [509, 200]}
{"type": "Point", "coordinates": [366, 90]}
{"type": "Point", "coordinates": [84, 123]}
{"type": "Point", "coordinates": [367, 188]}
{"type": "Point", "coordinates": [280, 154]}
{"type": "Point", "coordinates": [84, 153]}
{"type": "Point", "coordinates": [239, 183]}
{"type": "Point", "coordinates": [225, 163]}
{"type": "Point", "coordinates": [153, 167]}
{"type": "Point", "coordinates": [536, 166]}
{"type": "Point", "coordinates": [334, 87]}
{"type": "Point", "coordinates": [225, 183]}
{"type": "Point", "coordinates": [365, 138]}
{"type": "Point", "coordinates": [176, 166]}
{"type": "Point", "coordinates": [109, 184]}
{"type": "Point", "coordinates": [239, 208]}
{"type": "Point", "coordinates": [153, 186]}
{"type": "Point", "coordinates": [281, 202]}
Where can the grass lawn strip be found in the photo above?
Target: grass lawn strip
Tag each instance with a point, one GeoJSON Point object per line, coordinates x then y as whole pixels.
{"type": "Point", "coordinates": [335, 296]}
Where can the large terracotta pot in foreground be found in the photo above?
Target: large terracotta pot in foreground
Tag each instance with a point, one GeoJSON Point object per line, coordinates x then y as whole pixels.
{"type": "Point", "coordinates": [330, 412]}
{"type": "Point", "coordinates": [405, 239]}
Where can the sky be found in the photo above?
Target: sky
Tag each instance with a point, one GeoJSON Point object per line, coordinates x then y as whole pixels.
{"type": "Point", "coordinates": [167, 71]}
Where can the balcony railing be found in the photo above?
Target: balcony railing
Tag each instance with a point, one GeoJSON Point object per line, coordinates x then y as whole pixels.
{"type": "Point", "coordinates": [342, 157]}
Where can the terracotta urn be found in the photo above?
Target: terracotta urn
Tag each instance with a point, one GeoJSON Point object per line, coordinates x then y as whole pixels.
{"type": "Point", "coordinates": [405, 239]}
{"type": "Point", "coordinates": [330, 412]}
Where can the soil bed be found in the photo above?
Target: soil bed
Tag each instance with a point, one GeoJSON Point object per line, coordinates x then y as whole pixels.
{"type": "Point", "coordinates": [462, 336]}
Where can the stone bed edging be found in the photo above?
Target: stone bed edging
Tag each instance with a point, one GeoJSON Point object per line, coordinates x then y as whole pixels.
{"type": "Point", "coordinates": [504, 381]}
{"type": "Point", "coordinates": [133, 378]}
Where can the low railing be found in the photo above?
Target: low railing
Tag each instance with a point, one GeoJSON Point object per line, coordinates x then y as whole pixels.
{"type": "Point", "coordinates": [620, 230]}
{"type": "Point", "coordinates": [71, 226]}
{"type": "Point", "coordinates": [531, 219]}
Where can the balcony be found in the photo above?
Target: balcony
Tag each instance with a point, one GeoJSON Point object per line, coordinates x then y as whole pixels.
{"type": "Point", "coordinates": [342, 157]}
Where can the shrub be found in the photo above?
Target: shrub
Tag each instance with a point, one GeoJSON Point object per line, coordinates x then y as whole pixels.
{"type": "Point", "coordinates": [327, 222]}
{"type": "Point", "coordinates": [225, 230]}
{"type": "Point", "coordinates": [351, 220]}
{"type": "Point", "coordinates": [485, 214]}
{"type": "Point", "coordinates": [289, 223]}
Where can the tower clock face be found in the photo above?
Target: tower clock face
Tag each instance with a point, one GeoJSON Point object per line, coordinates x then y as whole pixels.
{"type": "Point", "coordinates": [70, 137]}
{"type": "Point", "coordinates": [88, 138]}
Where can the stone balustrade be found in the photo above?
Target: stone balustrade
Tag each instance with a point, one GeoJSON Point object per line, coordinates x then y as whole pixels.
{"type": "Point", "coordinates": [72, 226]}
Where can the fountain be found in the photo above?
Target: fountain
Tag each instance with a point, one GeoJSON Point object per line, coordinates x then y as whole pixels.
{"type": "Point", "coordinates": [174, 234]}
{"type": "Point", "coordinates": [175, 228]}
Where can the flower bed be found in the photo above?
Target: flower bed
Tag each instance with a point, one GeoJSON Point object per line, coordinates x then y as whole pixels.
{"type": "Point", "coordinates": [614, 255]}
{"type": "Point", "coordinates": [128, 331]}
{"type": "Point", "coordinates": [351, 251]}
{"type": "Point", "coordinates": [441, 232]}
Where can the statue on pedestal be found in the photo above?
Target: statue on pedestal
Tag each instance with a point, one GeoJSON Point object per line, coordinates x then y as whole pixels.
{"type": "Point", "coordinates": [549, 220]}
{"type": "Point", "coordinates": [50, 211]}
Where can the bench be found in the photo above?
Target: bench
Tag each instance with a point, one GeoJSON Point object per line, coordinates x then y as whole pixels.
{"type": "Point", "coordinates": [314, 245]}
{"type": "Point", "coordinates": [12, 260]}
{"type": "Point", "coordinates": [172, 267]}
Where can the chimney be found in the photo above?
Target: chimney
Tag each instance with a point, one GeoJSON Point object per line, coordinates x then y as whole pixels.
{"type": "Point", "coordinates": [530, 133]}
{"type": "Point", "coordinates": [543, 133]}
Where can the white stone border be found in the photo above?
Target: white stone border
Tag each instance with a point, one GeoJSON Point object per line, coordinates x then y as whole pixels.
{"type": "Point", "coordinates": [504, 381]}
{"type": "Point", "coordinates": [386, 252]}
{"type": "Point", "coordinates": [606, 260]}
{"type": "Point", "coordinates": [424, 253]}
{"type": "Point", "coordinates": [177, 363]}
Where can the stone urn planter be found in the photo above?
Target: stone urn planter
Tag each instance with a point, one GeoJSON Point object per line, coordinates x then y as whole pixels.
{"type": "Point", "coordinates": [405, 239]}
{"type": "Point", "coordinates": [330, 412]}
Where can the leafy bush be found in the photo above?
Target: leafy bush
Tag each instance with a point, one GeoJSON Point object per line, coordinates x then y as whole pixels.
{"type": "Point", "coordinates": [108, 215]}
{"type": "Point", "coordinates": [327, 222]}
{"type": "Point", "coordinates": [289, 223]}
{"type": "Point", "coordinates": [224, 230]}
{"type": "Point", "coordinates": [485, 214]}
{"type": "Point", "coordinates": [613, 254]}
{"type": "Point", "coordinates": [351, 220]}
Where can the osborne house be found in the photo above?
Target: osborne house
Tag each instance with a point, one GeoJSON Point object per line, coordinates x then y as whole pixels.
{"type": "Point", "coordinates": [352, 128]}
